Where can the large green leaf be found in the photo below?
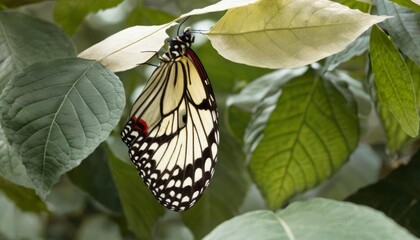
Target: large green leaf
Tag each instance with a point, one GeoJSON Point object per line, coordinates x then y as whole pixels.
{"type": "Point", "coordinates": [70, 14]}
{"type": "Point", "coordinates": [11, 164]}
{"type": "Point", "coordinates": [140, 207]}
{"type": "Point", "coordinates": [314, 219]}
{"type": "Point", "coordinates": [259, 98]}
{"type": "Point", "coordinates": [397, 195]}
{"type": "Point", "coordinates": [227, 190]}
{"type": "Point", "coordinates": [393, 83]}
{"type": "Point", "coordinates": [309, 135]}
{"type": "Point", "coordinates": [100, 185]}
{"type": "Point", "coordinates": [404, 28]}
{"type": "Point", "coordinates": [25, 40]}
{"type": "Point", "coordinates": [287, 33]}
{"type": "Point", "coordinates": [56, 113]}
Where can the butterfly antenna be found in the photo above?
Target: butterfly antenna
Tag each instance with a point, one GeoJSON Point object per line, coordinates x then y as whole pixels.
{"type": "Point", "coordinates": [179, 26]}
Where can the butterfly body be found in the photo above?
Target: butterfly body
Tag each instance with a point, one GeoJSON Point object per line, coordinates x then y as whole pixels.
{"type": "Point", "coordinates": [172, 134]}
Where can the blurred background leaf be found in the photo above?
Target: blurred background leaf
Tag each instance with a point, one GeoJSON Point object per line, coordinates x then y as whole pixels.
{"type": "Point", "coordinates": [397, 195]}
{"type": "Point", "coordinates": [70, 14]}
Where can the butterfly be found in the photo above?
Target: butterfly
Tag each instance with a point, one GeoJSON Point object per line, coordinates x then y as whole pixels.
{"type": "Point", "coordinates": [172, 134]}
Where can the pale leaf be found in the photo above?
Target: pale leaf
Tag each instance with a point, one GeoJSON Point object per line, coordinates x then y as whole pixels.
{"type": "Point", "coordinates": [128, 48]}
{"type": "Point", "coordinates": [288, 33]}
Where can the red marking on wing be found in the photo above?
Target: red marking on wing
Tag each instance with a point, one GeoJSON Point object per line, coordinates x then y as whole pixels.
{"type": "Point", "coordinates": [140, 125]}
{"type": "Point", "coordinates": [191, 54]}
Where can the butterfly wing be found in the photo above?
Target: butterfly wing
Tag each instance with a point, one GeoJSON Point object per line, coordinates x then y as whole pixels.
{"type": "Point", "coordinates": [173, 135]}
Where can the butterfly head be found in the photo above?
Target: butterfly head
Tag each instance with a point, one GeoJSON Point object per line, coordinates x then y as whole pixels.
{"type": "Point", "coordinates": [178, 46]}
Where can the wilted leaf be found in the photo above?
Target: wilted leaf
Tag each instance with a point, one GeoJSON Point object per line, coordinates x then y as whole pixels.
{"type": "Point", "coordinates": [25, 40]}
{"type": "Point", "coordinates": [56, 113]}
{"type": "Point", "coordinates": [289, 33]}
{"type": "Point", "coordinates": [313, 219]}
{"type": "Point", "coordinates": [404, 28]}
{"type": "Point", "coordinates": [394, 86]}
{"type": "Point", "coordinates": [128, 48]}
{"type": "Point", "coordinates": [308, 136]}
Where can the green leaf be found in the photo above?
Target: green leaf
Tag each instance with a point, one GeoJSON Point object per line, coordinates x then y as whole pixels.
{"type": "Point", "coordinates": [287, 33]}
{"type": "Point", "coordinates": [262, 94]}
{"type": "Point", "coordinates": [259, 98]}
{"type": "Point", "coordinates": [23, 197]}
{"type": "Point", "coordinates": [70, 14]}
{"type": "Point", "coordinates": [148, 16]}
{"type": "Point", "coordinates": [309, 135]}
{"type": "Point", "coordinates": [404, 28]}
{"type": "Point", "coordinates": [359, 171]}
{"type": "Point", "coordinates": [25, 40]}
{"type": "Point", "coordinates": [100, 185]}
{"type": "Point", "coordinates": [408, 3]}
{"type": "Point", "coordinates": [415, 76]}
{"type": "Point", "coordinates": [397, 139]}
{"type": "Point", "coordinates": [397, 195]}
{"type": "Point", "coordinates": [11, 164]}
{"type": "Point", "coordinates": [393, 82]}
{"type": "Point", "coordinates": [141, 208]}
{"type": "Point", "coordinates": [56, 113]}
{"type": "Point", "coordinates": [314, 219]}
{"type": "Point", "coordinates": [227, 190]}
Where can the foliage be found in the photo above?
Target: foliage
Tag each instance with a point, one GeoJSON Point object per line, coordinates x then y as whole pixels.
{"type": "Point", "coordinates": [305, 89]}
